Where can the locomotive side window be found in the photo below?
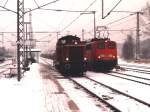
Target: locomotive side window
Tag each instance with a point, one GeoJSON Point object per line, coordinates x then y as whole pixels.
{"type": "Point", "coordinates": [101, 45]}
{"type": "Point", "coordinates": [111, 45]}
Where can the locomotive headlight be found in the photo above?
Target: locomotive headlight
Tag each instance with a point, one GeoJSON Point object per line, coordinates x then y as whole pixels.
{"type": "Point", "coordinates": [110, 55]}
{"type": "Point", "coordinates": [99, 57]}
{"type": "Point", "coordinates": [85, 59]}
{"type": "Point", "coordinates": [76, 43]}
{"type": "Point", "coordinates": [67, 59]}
{"type": "Point", "coordinates": [102, 55]}
{"type": "Point", "coordinates": [114, 57]}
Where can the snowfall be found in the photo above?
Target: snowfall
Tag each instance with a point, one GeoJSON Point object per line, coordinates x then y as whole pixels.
{"type": "Point", "coordinates": [34, 94]}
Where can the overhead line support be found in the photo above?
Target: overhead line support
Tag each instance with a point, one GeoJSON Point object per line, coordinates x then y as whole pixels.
{"type": "Point", "coordinates": [20, 37]}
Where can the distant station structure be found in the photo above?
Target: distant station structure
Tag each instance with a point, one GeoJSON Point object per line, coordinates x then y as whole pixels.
{"type": "Point", "coordinates": [33, 55]}
{"type": "Point", "coordinates": [36, 54]}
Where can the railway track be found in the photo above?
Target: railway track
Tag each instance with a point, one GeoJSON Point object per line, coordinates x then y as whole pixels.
{"type": "Point", "coordinates": [137, 79]}
{"type": "Point", "coordinates": [111, 107]}
{"type": "Point", "coordinates": [135, 68]}
{"type": "Point", "coordinates": [143, 78]}
{"type": "Point", "coordinates": [102, 101]}
{"type": "Point", "coordinates": [115, 99]}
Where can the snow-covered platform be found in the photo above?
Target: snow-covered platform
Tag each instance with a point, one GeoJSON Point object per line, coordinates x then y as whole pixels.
{"type": "Point", "coordinates": [37, 91]}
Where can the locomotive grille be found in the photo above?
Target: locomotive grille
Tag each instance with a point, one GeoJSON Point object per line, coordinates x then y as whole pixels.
{"type": "Point", "coordinates": [76, 53]}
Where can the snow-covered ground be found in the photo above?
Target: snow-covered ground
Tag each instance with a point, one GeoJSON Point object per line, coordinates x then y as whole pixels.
{"type": "Point", "coordinates": [28, 95]}
{"type": "Point", "coordinates": [34, 94]}
{"type": "Point", "coordinates": [24, 96]}
{"type": "Point", "coordinates": [121, 61]}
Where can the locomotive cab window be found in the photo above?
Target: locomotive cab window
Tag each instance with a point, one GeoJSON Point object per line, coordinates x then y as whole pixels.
{"type": "Point", "coordinates": [101, 45]}
{"type": "Point", "coordinates": [111, 45]}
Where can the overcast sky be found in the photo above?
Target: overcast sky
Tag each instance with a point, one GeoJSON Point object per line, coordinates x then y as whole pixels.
{"type": "Point", "coordinates": [52, 21]}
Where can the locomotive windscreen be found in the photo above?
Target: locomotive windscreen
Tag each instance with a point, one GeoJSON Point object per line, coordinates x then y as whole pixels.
{"type": "Point", "coordinates": [76, 53]}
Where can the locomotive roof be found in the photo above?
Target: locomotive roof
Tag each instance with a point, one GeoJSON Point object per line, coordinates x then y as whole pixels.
{"type": "Point", "coordinates": [103, 39]}
{"type": "Point", "coordinates": [69, 38]}
{"type": "Point", "coordinates": [99, 40]}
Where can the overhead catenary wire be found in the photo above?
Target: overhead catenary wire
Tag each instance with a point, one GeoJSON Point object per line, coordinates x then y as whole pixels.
{"type": "Point", "coordinates": [77, 17]}
{"type": "Point", "coordinates": [120, 19]}
{"type": "Point", "coordinates": [71, 11]}
{"type": "Point", "coordinates": [121, 30]}
{"type": "Point", "coordinates": [61, 10]}
{"type": "Point", "coordinates": [133, 13]}
{"type": "Point", "coordinates": [142, 25]}
{"type": "Point", "coordinates": [116, 30]}
{"type": "Point", "coordinates": [43, 5]}
{"type": "Point", "coordinates": [5, 3]}
{"type": "Point", "coordinates": [129, 29]}
{"type": "Point", "coordinates": [45, 23]}
{"type": "Point", "coordinates": [65, 16]}
{"type": "Point", "coordinates": [40, 7]}
{"type": "Point", "coordinates": [110, 23]}
{"type": "Point", "coordinates": [36, 3]}
{"type": "Point", "coordinates": [103, 17]}
{"type": "Point", "coordinates": [8, 9]}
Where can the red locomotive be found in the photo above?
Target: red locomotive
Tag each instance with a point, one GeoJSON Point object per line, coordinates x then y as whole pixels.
{"type": "Point", "coordinates": [70, 57]}
{"type": "Point", "coordinates": [101, 54]}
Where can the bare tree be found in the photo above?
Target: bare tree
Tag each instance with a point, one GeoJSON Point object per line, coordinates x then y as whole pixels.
{"type": "Point", "coordinates": [128, 48]}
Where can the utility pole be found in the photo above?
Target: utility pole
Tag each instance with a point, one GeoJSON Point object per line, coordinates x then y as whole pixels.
{"type": "Point", "coordinates": [137, 55]}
